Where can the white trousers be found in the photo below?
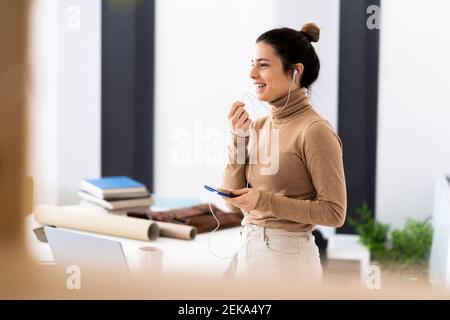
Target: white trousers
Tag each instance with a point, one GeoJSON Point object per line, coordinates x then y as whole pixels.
{"type": "Point", "coordinates": [274, 253]}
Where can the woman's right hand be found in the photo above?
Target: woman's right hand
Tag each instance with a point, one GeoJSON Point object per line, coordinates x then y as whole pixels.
{"type": "Point", "coordinates": [239, 120]}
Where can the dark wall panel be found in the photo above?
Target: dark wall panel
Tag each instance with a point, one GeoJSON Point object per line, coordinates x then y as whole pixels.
{"type": "Point", "coordinates": [358, 91]}
{"type": "Point", "coordinates": [127, 88]}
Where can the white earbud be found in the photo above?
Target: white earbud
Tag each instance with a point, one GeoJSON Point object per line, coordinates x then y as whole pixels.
{"type": "Point", "coordinates": [295, 73]}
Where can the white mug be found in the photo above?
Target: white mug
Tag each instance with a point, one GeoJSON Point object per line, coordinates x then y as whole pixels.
{"type": "Point", "coordinates": [150, 259]}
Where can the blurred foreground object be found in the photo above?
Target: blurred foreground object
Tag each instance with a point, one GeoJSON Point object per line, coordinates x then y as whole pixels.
{"type": "Point", "coordinates": [13, 100]}
{"type": "Point", "coordinates": [13, 77]}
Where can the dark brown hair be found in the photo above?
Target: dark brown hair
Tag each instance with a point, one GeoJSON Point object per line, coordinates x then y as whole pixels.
{"type": "Point", "coordinates": [293, 47]}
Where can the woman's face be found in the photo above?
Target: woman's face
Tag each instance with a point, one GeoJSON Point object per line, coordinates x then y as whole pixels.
{"type": "Point", "coordinates": [271, 83]}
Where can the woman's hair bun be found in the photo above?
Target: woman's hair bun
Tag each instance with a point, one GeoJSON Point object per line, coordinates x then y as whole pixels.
{"type": "Point", "coordinates": [311, 31]}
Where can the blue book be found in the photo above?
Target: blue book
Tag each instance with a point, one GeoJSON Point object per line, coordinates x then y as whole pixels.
{"type": "Point", "coordinates": [114, 187]}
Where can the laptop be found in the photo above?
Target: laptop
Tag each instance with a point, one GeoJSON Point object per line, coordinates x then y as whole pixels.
{"type": "Point", "coordinates": [87, 252]}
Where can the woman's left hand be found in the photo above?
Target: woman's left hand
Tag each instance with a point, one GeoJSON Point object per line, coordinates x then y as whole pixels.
{"type": "Point", "coordinates": [246, 200]}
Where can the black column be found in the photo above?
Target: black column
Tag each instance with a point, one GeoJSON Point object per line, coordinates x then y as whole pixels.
{"type": "Point", "coordinates": [127, 88]}
{"type": "Point", "coordinates": [358, 92]}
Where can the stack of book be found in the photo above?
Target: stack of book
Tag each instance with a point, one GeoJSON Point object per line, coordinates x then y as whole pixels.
{"type": "Point", "coordinates": [118, 195]}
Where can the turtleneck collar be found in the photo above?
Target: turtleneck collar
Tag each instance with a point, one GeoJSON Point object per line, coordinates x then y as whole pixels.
{"type": "Point", "coordinates": [298, 101]}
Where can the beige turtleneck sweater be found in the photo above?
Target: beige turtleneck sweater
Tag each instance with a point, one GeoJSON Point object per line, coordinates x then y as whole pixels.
{"type": "Point", "coordinates": [307, 185]}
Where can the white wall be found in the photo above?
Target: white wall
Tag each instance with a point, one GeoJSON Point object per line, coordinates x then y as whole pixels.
{"type": "Point", "coordinates": [414, 113]}
{"type": "Point", "coordinates": [65, 103]}
{"type": "Point", "coordinates": [203, 52]}
{"type": "Point", "coordinates": [192, 90]}
{"type": "Point", "coordinates": [294, 14]}
{"type": "Point", "coordinates": [43, 111]}
{"type": "Point", "coordinates": [79, 102]}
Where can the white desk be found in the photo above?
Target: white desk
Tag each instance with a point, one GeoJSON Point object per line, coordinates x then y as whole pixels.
{"type": "Point", "coordinates": [178, 255]}
{"type": "Point", "coordinates": [195, 257]}
{"type": "Point", "coordinates": [348, 258]}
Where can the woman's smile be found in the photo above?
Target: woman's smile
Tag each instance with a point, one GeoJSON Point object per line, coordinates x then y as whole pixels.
{"type": "Point", "coordinates": [260, 87]}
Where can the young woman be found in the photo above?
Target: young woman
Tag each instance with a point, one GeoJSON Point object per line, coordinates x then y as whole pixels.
{"type": "Point", "coordinates": [306, 186]}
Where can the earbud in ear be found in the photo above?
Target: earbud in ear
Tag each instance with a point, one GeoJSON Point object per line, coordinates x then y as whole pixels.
{"type": "Point", "coordinates": [293, 76]}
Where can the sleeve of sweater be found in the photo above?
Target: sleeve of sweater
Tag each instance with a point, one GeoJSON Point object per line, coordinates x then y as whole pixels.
{"type": "Point", "coordinates": [234, 173]}
{"type": "Point", "coordinates": [322, 152]}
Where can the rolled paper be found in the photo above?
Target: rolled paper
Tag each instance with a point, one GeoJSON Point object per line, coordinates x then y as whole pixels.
{"type": "Point", "coordinates": [87, 219]}
{"type": "Point", "coordinates": [174, 230]}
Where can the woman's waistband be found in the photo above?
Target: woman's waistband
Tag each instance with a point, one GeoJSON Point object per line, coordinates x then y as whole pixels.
{"type": "Point", "coordinates": [258, 230]}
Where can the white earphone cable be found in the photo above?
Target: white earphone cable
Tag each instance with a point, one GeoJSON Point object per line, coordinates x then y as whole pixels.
{"type": "Point", "coordinates": [211, 234]}
{"type": "Point", "coordinates": [289, 93]}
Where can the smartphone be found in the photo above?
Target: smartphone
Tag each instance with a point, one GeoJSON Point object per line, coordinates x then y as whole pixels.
{"type": "Point", "coordinates": [220, 193]}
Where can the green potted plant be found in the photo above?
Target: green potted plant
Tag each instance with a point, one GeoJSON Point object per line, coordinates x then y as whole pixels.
{"type": "Point", "coordinates": [403, 251]}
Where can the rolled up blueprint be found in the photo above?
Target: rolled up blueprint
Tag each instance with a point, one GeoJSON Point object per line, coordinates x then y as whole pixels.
{"type": "Point", "coordinates": [174, 230]}
{"type": "Point", "coordinates": [86, 219]}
